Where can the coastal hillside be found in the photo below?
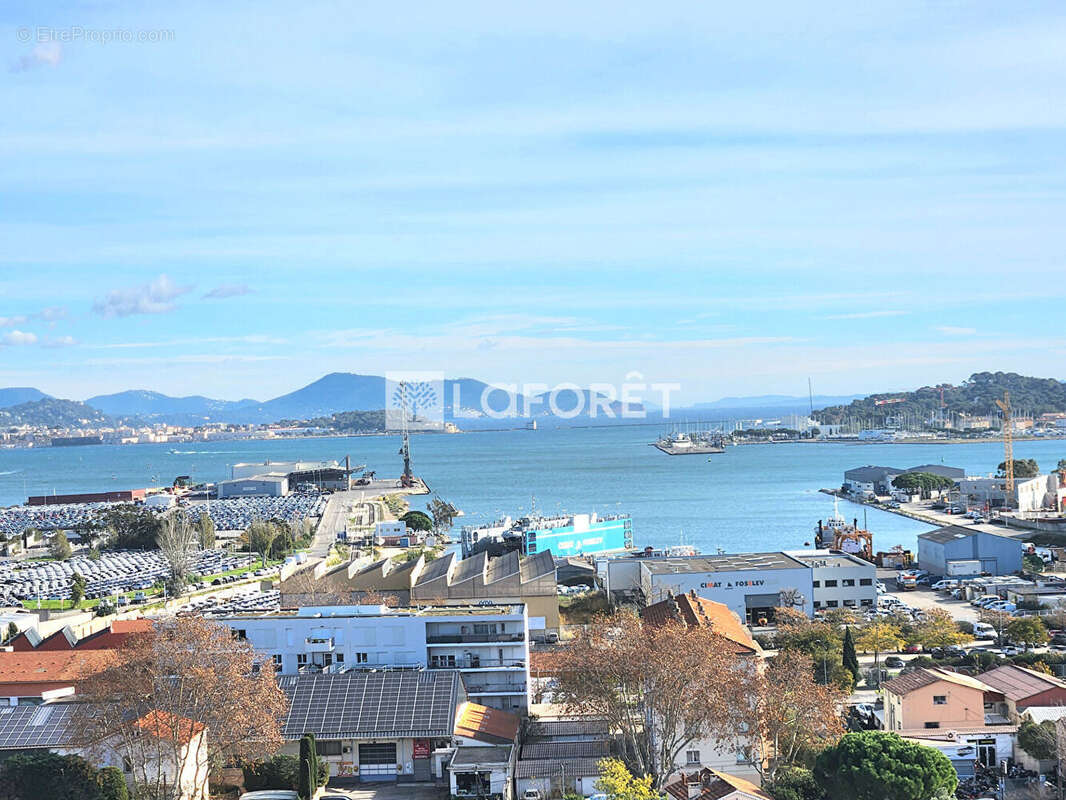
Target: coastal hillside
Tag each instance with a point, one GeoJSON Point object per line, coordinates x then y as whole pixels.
{"type": "Point", "coordinates": [53, 413]}
{"type": "Point", "coordinates": [975, 396]}
{"type": "Point", "coordinates": [156, 407]}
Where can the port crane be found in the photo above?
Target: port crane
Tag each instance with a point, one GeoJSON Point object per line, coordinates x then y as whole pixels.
{"type": "Point", "coordinates": [1008, 448]}
{"type": "Point", "coordinates": [407, 480]}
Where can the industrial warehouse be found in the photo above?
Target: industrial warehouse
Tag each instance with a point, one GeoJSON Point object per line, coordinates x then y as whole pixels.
{"type": "Point", "coordinates": [752, 585]}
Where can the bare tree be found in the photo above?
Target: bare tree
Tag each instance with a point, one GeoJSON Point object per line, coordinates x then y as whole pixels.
{"type": "Point", "coordinates": [662, 687]}
{"type": "Point", "coordinates": [181, 701]}
{"type": "Point", "coordinates": [781, 712]}
{"type": "Point", "coordinates": [176, 539]}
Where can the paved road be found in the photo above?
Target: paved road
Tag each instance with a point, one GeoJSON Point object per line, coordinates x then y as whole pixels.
{"type": "Point", "coordinates": [390, 791]}
{"type": "Point", "coordinates": [339, 507]}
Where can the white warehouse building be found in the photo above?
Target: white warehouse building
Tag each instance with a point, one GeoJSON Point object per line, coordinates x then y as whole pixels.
{"type": "Point", "coordinates": [488, 644]}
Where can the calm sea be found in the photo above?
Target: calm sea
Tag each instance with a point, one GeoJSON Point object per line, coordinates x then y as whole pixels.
{"type": "Point", "coordinates": [753, 497]}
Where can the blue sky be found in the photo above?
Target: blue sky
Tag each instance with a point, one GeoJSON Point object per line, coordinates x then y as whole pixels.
{"type": "Point", "coordinates": [730, 198]}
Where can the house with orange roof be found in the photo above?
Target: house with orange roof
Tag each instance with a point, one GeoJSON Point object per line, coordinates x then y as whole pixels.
{"type": "Point", "coordinates": [709, 784]}
{"type": "Point", "coordinates": [483, 763]}
{"type": "Point", "coordinates": [693, 611]}
{"type": "Point", "coordinates": [66, 638]}
{"type": "Point", "coordinates": [38, 676]}
{"type": "Point", "coordinates": [933, 698]}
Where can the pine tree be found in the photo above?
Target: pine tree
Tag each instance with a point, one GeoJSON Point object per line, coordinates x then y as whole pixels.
{"type": "Point", "coordinates": [851, 661]}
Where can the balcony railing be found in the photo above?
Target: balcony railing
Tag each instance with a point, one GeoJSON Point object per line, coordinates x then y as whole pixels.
{"type": "Point", "coordinates": [317, 645]}
{"type": "Point", "coordinates": [465, 638]}
{"type": "Point", "coordinates": [489, 688]}
{"type": "Point", "coordinates": [476, 663]}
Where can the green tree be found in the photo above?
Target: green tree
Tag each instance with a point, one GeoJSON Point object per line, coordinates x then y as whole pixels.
{"type": "Point", "coordinates": [417, 521]}
{"type": "Point", "coordinates": [308, 776]}
{"type": "Point", "coordinates": [280, 772]}
{"type": "Point", "coordinates": [795, 783]}
{"type": "Point", "coordinates": [113, 784]}
{"type": "Point", "coordinates": [923, 482]}
{"type": "Point", "coordinates": [849, 658]}
{"type": "Point", "coordinates": [259, 536]}
{"type": "Point", "coordinates": [618, 783]}
{"type": "Point", "coordinates": [1037, 740]}
{"type": "Point", "coordinates": [77, 589]}
{"type": "Point", "coordinates": [12, 631]}
{"type": "Point", "coordinates": [938, 629]}
{"type": "Point", "coordinates": [1029, 631]}
{"type": "Point", "coordinates": [443, 513]}
{"type": "Point", "coordinates": [878, 765]}
{"type": "Point", "coordinates": [1023, 468]}
{"type": "Point", "coordinates": [1061, 466]}
{"type": "Point", "coordinates": [94, 553]}
{"type": "Point", "coordinates": [60, 548]}
{"type": "Point", "coordinates": [877, 638]}
{"type": "Point", "coordinates": [129, 528]}
{"type": "Point", "coordinates": [205, 527]}
{"type": "Point", "coordinates": [35, 776]}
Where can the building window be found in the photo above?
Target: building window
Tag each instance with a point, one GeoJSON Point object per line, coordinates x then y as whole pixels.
{"type": "Point", "coordinates": [443, 661]}
{"type": "Point", "coordinates": [849, 603]}
{"type": "Point", "coordinates": [816, 584]}
{"type": "Point", "coordinates": [361, 658]}
{"type": "Point", "coordinates": [692, 757]}
{"type": "Point", "coordinates": [932, 724]}
{"type": "Point", "coordinates": [866, 602]}
{"type": "Point", "coordinates": [830, 584]}
{"type": "Point", "coordinates": [301, 659]}
{"type": "Point", "coordinates": [866, 581]}
{"type": "Point", "coordinates": [240, 634]}
{"type": "Point", "coordinates": [817, 603]}
{"type": "Point", "coordinates": [849, 582]}
{"type": "Point", "coordinates": [339, 658]}
{"type": "Point", "coordinates": [940, 699]}
{"type": "Point", "coordinates": [831, 604]}
{"type": "Point", "coordinates": [277, 660]}
{"type": "Point", "coordinates": [331, 748]}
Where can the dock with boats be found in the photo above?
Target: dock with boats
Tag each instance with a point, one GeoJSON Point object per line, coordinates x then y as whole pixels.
{"type": "Point", "coordinates": [699, 441]}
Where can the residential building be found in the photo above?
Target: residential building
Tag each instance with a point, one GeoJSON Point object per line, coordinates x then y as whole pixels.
{"type": "Point", "coordinates": [484, 762]}
{"type": "Point", "coordinates": [999, 554]}
{"type": "Point", "coordinates": [55, 726]}
{"type": "Point", "coordinates": [1023, 688]}
{"type": "Point", "coordinates": [32, 678]}
{"type": "Point", "coordinates": [709, 784]}
{"type": "Point", "coordinates": [966, 747]}
{"type": "Point", "coordinates": [839, 580]}
{"type": "Point", "coordinates": [109, 638]}
{"type": "Point", "coordinates": [932, 698]}
{"type": "Point", "coordinates": [697, 612]}
{"type": "Point", "coordinates": [488, 644]}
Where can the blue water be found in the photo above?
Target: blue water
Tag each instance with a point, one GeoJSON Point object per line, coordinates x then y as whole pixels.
{"type": "Point", "coordinates": [753, 497]}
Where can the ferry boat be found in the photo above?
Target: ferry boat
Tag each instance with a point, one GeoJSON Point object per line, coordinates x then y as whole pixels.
{"type": "Point", "coordinates": [562, 535]}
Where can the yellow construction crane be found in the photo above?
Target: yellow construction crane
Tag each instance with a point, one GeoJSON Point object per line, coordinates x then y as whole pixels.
{"type": "Point", "coordinates": [1008, 448]}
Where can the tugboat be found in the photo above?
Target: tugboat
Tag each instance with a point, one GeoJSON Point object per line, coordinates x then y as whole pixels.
{"type": "Point", "coordinates": [836, 534]}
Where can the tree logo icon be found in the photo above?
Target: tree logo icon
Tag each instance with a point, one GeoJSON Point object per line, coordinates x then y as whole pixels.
{"type": "Point", "coordinates": [414, 400]}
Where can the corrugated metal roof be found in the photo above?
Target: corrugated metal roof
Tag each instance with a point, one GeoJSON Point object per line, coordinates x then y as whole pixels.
{"type": "Point", "coordinates": [554, 768]}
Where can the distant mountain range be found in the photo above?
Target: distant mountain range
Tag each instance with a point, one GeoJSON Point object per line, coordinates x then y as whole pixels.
{"type": "Point", "coordinates": [342, 392]}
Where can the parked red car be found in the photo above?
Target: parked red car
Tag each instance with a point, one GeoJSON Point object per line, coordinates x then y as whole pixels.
{"type": "Point", "coordinates": [912, 648]}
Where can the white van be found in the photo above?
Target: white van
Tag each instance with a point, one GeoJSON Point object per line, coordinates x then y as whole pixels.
{"type": "Point", "coordinates": [271, 794]}
{"type": "Point", "coordinates": [982, 630]}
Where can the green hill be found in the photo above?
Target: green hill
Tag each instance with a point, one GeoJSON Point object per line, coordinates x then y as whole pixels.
{"type": "Point", "coordinates": [975, 396]}
{"type": "Point", "coordinates": [54, 413]}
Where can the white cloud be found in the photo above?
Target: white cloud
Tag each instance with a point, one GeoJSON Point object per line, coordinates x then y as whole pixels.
{"type": "Point", "coordinates": [59, 341]}
{"type": "Point", "coordinates": [7, 322]}
{"type": "Point", "coordinates": [952, 330]}
{"type": "Point", "coordinates": [17, 338]}
{"type": "Point", "coordinates": [45, 54]}
{"type": "Point", "coordinates": [228, 290]}
{"type": "Point", "coordinates": [156, 297]}
{"type": "Point", "coordinates": [51, 313]}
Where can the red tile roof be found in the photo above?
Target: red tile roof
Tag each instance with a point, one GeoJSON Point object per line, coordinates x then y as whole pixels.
{"type": "Point", "coordinates": [53, 666]}
{"type": "Point", "coordinates": [714, 786]}
{"type": "Point", "coordinates": [164, 725]}
{"type": "Point", "coordinates": [115, 636]}
{"type": "Point", "coordinates": [693, 611]}
{"type": "Point", "coordinates": [486, 724]}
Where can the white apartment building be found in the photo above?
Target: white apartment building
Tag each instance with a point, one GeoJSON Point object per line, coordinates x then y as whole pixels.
{"type": "Point", "coordinates": [488, 644]}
